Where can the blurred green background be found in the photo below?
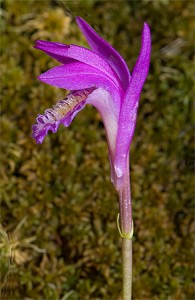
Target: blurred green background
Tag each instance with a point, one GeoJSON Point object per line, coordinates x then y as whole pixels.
{"type": "Point", "coordinates": [59, 238]}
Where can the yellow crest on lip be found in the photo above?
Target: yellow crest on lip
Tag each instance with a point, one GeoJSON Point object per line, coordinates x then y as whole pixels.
{"type": "Point", "coordinates": [63, 107]}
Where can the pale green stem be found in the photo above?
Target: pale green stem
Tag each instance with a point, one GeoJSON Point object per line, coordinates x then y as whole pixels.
{"type": "Point", "coordinates": [127, 268]}
{"type": "Point", "coordinates": [126, 232]}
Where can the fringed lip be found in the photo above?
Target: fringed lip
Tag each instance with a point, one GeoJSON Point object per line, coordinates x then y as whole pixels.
{"type": "Point", "coordinates": [62, 113]}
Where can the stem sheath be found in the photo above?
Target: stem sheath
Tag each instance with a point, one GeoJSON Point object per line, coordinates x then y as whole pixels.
{"type": "Point", "coordinates": [127, 268]}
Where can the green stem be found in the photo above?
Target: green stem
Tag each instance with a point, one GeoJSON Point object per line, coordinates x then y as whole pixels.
{"type": "Point", "coordinates": [127, 268]}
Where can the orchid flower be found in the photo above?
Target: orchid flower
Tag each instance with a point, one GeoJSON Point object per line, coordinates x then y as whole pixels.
{"type": "Point", "coordinates": [99, 77]}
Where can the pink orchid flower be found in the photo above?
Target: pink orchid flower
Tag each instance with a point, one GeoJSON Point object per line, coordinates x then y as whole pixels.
{"type": "Point", "coordinates": [99, 77]}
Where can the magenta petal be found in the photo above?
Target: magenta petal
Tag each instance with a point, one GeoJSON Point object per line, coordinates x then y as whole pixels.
{"type": "Point", "coordinates": [77, 76]}
{"type": "Point", "coordinates": [63, 53]}
{"type": "Point", "coordinates": [100, 46]}
{"type": "Point", "coordinates": [128, 112]}
{"type": "Point", "coordinates": [55, 50]}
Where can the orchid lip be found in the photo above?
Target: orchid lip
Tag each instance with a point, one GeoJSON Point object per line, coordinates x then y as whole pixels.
{"type": "Point", "coordinates": [62, 112]}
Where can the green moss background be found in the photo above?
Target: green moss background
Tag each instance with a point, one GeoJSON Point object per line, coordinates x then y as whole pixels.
{"type": "Point", "coordinates": [59, 238]}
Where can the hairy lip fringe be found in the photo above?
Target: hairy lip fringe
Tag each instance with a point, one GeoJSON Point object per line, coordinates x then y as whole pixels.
{"type": "Point", "coordinates": [63, 107]}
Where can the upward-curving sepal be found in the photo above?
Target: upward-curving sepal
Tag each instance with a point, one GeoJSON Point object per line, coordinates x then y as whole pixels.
{"type": "Point", "coordinates": [100, 46]}
{"type": "Point", "coordinates": [130, 103]}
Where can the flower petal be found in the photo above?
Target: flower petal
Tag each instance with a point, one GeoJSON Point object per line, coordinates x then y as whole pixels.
{"type": "Point", "coordinates": [63, 53]}
{"type": "Point", "coordinates": [50, 49]}
{"type": "Point", "coordinates": [130, 103]}
{"type": "Point", "coordinates": [63, 112]}
{"type": "Point", "coordinates": [100, 46]}
{"type": "Point", "coordinates": [77, 76]}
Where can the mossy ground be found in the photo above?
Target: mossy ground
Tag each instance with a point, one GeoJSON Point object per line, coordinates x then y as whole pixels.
{"type": "Point", "coordinates": [59, 238]}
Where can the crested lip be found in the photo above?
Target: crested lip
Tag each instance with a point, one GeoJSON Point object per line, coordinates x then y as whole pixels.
{"type": "Point", "coordinates": [61, 113]}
